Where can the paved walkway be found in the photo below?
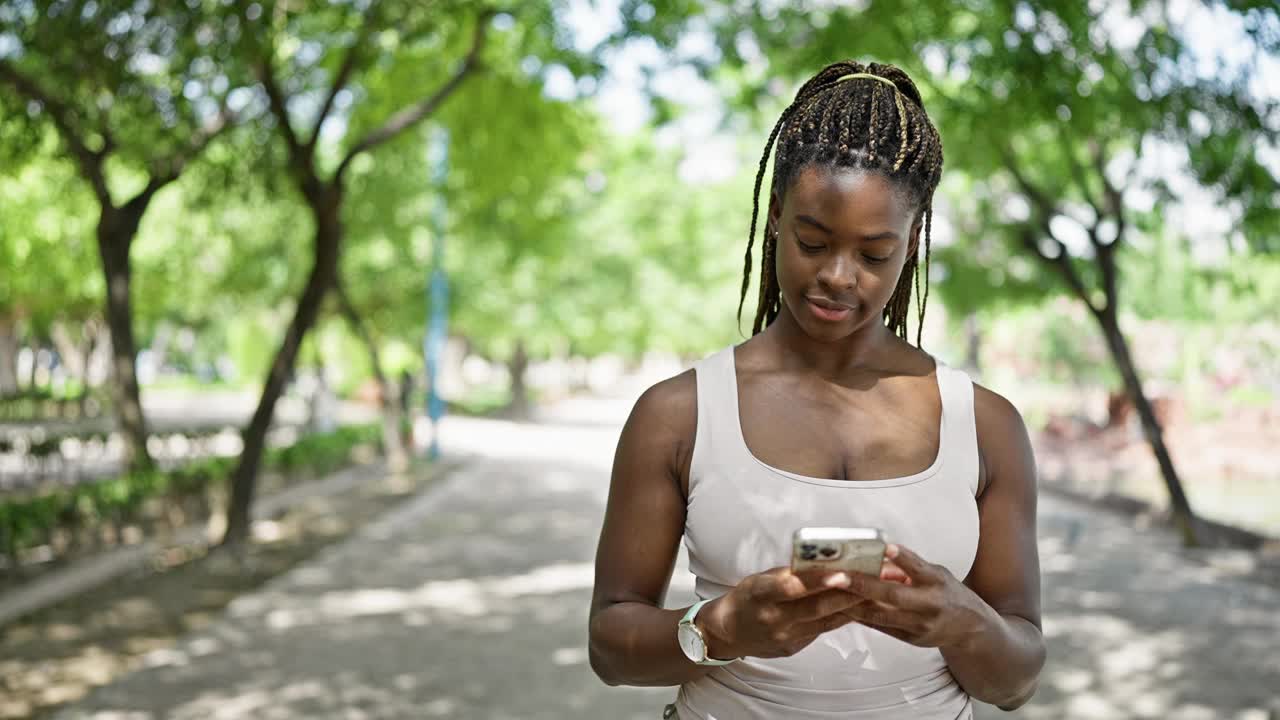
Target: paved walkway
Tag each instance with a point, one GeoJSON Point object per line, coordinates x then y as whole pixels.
{"type": "Point", "coordinates": [471, 602]}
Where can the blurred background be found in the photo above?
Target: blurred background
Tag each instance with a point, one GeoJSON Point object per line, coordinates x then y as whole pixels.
{"type": "Point", "coordinates": [255, 257]}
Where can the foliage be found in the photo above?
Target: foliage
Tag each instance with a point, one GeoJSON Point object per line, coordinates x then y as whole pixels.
{"type": "Point", "coordinates": [46, 236]}
{"type": "Point", "coordinates": [27, 522]}
{"type": "Point", "coordinates": [1046, 109]}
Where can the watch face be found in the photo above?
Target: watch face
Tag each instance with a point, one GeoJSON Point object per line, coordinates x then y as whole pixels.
{"type": "Point", "coordinates": [691, 643]}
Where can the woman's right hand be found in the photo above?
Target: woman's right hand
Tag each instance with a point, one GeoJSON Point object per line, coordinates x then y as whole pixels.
{"type": "Point", "coordinates": [776, 613]}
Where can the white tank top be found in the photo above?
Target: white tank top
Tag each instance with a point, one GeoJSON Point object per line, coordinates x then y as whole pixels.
{"type": "Point", "coordinates": [741, 513]}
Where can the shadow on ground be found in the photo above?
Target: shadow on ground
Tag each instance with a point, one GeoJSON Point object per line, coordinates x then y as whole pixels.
{"type": "Point", "coordinates": [471, 602]}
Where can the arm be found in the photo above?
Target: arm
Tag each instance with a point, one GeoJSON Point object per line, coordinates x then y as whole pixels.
{"type": "Point", "coordinates": [632, 639]}
{"type": "Point", "coordinates": [988, 627]}
{"type": "Point", "coordinates": [1006, 571]}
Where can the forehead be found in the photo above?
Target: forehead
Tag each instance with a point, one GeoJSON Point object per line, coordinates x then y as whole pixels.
{"type": "Point", "coordinates": [848, 197]}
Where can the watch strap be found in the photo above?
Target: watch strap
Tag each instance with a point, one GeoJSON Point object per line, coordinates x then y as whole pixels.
{"type": "Point", "coordinates": [688, 620]}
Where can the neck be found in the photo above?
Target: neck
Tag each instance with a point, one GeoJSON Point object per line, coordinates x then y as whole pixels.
{"type": "Point", "coordinates": [798, 351]}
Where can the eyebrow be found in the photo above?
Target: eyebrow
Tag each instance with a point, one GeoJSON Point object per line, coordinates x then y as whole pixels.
{"type": "Point", "coordinates": [810, 220]}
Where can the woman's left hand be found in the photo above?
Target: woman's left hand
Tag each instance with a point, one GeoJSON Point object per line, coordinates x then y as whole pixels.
{"type": "Point", "coordinates": [919, 602]}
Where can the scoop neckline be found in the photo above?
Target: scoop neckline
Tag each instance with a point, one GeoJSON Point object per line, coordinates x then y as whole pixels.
{"type": "Point", "coordinates": [925, 474]}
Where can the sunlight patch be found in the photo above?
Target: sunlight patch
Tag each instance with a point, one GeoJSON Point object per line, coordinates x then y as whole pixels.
{"type": "Point", "coordinates": [462, 596]}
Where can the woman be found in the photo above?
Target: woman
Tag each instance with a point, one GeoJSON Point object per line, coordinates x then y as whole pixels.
{"type": "Point", "coordinates": [828, 416]}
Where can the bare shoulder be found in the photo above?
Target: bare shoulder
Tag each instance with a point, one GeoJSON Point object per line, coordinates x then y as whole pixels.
{"type": "Point", "coordinates": [1003, 441]}
{"type": "Point", "coordinates": [665, 421]}
{"type": "Point", "coordinates": [995, 411]}
{"type": "Point", "coordinates": [669, 405]}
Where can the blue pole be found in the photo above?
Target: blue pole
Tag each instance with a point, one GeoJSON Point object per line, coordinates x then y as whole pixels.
{"type": "Point", "coordinates": [438, 292]}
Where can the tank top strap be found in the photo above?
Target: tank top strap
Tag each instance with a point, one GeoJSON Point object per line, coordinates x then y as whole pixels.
{"type": "Point", "coordinates": [960, 434]}
{"type": "Point", "coordinates": [717, 407]}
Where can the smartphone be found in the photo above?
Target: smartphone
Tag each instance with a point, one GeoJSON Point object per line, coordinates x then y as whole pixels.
{"type": "Point", "coordinates": [851, 549]}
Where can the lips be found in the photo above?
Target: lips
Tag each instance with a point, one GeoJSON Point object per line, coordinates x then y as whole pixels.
{"type": "Point", "coordinates": [824, 309]}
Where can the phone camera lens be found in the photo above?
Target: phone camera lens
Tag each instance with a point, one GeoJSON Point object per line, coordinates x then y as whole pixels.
{"type": "Point", "coordinates": [808, 547]}
{"type": "Point", "coordinates": [828, 552]}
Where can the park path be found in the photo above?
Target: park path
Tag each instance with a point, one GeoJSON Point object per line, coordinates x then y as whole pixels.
{"type": "Point", "coordinates": [470, 601]}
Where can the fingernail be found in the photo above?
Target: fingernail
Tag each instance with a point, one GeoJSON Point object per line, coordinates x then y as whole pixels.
{"type": "Point", "coordinates": [838, 580]}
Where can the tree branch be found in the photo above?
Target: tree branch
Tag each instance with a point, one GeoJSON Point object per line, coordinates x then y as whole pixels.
{"type": "Point", "coordinates": [1037, 196]}
{"type": "Point", "coordinates": [1044, 209]}
{"type": "Point", "coordinates": [1039, 199]}
{"type": "Point", "coordinates": [199, 141]}
{"type": "Point", "coordinates": [1115, 206]}
{"type": "Point", "coordinates": [280, 109]}
{"type": "Point", "coordinates": [1113, 196]}
{"type": "Point", "coordinates": [1077, 174]}
{"type": "Point", "coordinates": [90, 162]}
{"type": "Point", "coordinates": [407, 117]}
{"type": "Point", "coordinates": [345, 70]}
{"type": "Point", "coordinates": [1062, 263]}
{"type": "Point", "coordinates": [358, 326]}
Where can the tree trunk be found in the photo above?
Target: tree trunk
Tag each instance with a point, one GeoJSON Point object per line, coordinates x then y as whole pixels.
{"type": "Point", "coordinates": [325, 206]}
{"type": "Point", "coordinates": [388, 399]}
{"type": "Point", "coordinates": [517, 365]}
{"type": "Point", "coordinates": [86, 362]}
{"type": "Point", "coordinates": [973, 346]}
{"type": "Point", "coordinates": [34, 347]}
{"type": "Point", "coordinates": [68, 351]}
{"type": "Point", "coordinates": [8, 358]}
{"type": "Point", "coordinates": [1119, 349]}
{"type": "Point", "coordinates": [116, 230]}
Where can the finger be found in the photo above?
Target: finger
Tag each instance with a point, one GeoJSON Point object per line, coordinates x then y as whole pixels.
{"type": "Point", "coordinates": [814, 628]}
{"type": "Point", "coordinates": [894, 594]}
{"type": "Point", "coordinates": [911, 563]}
{"type": "Point", "coordinates": [874, 614]}
{"type": "Point", "coordinates": [818, 580]}
{"type": "Point", "coordinates": [817, 606]}
{"type": "Point", "coordinates": [781, 584]}
{"type": "Point", "coordinates": [890, 572]}
{"type": "Point", "coordinates": [775, 584]}
{"type": "Point", "coordinates": [811, 582]}
{"type": "Point", "coordinates": [898, 633]}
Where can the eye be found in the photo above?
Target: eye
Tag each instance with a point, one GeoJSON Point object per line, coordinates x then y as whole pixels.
{"type": "Point", "coordinates": [809, 248]}
{"type": "Point", "coordinates": [876, 260]}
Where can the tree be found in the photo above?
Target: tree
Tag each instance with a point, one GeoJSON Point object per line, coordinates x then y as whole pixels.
{"type": "Point", "coordinates": [325, 48]}
{"type": "Point", "coordinates": [1054, 112]}
{"type": "Point", "coordinates": [134, 93]}
{"type": "Point", "coordinates": [612, 254]}
{"type": "Point", "coordinates": [505, 192]}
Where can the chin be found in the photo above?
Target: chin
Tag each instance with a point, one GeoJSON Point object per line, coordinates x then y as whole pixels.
{"type": "Point", "coordinates": [820, 330]}
{"type": "Point", "coordinates": [837, 332]}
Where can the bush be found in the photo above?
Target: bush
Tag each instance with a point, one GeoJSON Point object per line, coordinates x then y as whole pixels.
{"type": "Point", "coordinates": [31, 521]}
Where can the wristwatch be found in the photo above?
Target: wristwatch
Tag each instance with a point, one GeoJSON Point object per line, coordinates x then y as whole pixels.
{"type": "Point", "coordinates": [692, 641]}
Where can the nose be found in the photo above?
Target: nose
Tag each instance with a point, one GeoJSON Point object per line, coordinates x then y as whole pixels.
{"type": "Point", "coordinates": [839, 273]}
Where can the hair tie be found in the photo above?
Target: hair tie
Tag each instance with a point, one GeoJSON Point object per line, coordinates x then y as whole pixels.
{"type": "Point", "coordinates": [882, 79]}
{"type": "Point", "coordinates": [897, 99]}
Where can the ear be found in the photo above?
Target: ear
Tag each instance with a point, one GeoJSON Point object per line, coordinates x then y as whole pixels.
{"type": "Point", "coordinates": [913, 240]}
{"type": "Point", "coordinates": [775, 212]}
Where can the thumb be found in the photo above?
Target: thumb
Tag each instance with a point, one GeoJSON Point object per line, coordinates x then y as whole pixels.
{"type": "Point", "coordinates": [912, 564]}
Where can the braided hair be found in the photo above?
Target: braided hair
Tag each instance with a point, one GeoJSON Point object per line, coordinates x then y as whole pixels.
{"type": "Point", "coordinates": [877, 124]}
